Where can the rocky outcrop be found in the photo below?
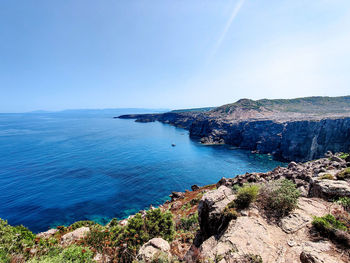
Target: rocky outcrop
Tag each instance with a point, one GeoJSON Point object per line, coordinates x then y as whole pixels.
{"type": "Point", "coordinates": [210, 210]}
{"type": "Point", "coordinates": [48, 233]}
{"type": "Point", "coordinates": [284, 243]}
{"type": "Point", "coordinates": [74, 236]}
{"type": "Point", "coordinates": [156, 247]}
{"type": "Point", "coordinates": [330, 189]}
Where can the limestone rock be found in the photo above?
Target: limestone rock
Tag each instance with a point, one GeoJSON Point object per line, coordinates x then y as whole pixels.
{"type": "Point", "coordinates": [315, 252]}
{"type": "Point", "coordinates": [194, 187]}
{"type": "Point", "coordinates": [330, 188]}
{"type": "Point", "coordinates": [75, 235]}
{"type": "Point", "coordinates": [152, 249]}
{"type": "Point", "coordinates": [176, 195]}
{"type": "Point", "coordinates": [48, 233]}
{"type": "Point", "coordinates": [210, 210]}
{"type": "Point", "coordinates": [337, 159]}
{"type": "Point", "coordinates": [294, 222]}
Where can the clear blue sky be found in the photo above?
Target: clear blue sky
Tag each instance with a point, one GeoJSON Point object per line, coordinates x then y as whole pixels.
{"type": "Point", "coordinates": [169, 53]}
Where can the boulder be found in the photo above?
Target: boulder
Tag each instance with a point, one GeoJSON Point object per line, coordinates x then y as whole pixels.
{"type": "Point", "coordinates": [176, 195]}
{"type": "Point", "coordinates": [329, 189]}
{"type": "Point", "coordinates": [328, 154]}
{"type": "Point", "coordinates": [316, 252]}
{"type": "Point", "coordinates": [210, 210]}
{"type": "Point", "coordinates": [48, 233]}
{"type": "Point", "coordinates": [292, 165]}
{"type": "Point", "coordinates": [75, 235]}
{"type": "Point", "coordinates": [337, 159]}
{"type": "Point", "coordinates": [154, 248]}
{"type": "Point", "coordinates": [194, 187]}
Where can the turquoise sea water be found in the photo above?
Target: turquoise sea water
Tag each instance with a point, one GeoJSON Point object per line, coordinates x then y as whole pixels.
{"type": "Point", "coordinates": [57, 168]}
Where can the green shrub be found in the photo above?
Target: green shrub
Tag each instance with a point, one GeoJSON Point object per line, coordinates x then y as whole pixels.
{"type": "Point", "coordinates": [344, 155]}
{"type": "Point", "coordinates": [344, 174]}
{"type": "Point", "coordinates": [189, 223]}
{"type": "Point", "coordinates": [195, 201]}
{"type": "Point", "coordinates": [96, 238]}
{"type": "Point", "coordinates": [139, 230]}
{"type": "Point", "coordinates": [71, 254]}
{"type": "Point", "coordinates": [14, 240]}
{"type": "Point", "coordinates": [82, 223]}
{"type": "Point", "coordinates": [246, 195]}
{"type": "Point", "coordinates": [280, 197]}
{"type": "Point", "coordinates": [230, 213]}
{"type": "Point", "coordinates": [159, 224]}
{"type": "Point", "coordinates": [327, 176]}
{"type": "Point", "coordinates": [344, 202]}
{"type": "Point", "coordinates": [327, 224]}
{"type": "Point", "coordinates": [113, 222]}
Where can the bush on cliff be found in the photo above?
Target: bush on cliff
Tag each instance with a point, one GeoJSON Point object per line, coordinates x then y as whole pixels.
{"type": "Point", "coordinates": [139, 230]}
{"type": "Point", "coordinates": [344, 174]}
{"type": "Point", "coordinates": [344, 202]}
{"type": "Point", "coordinates": [327, 177]}
{"type": "Point", "coordinates": [71, 254]}
{"type": "Point", "coordinates": [189, 223]}
{"type": "Point", "coordinates": [246, 195]}
{"type": "Point", "coordinates": [280, 197]}
{"type": "Point", "coordinates": [79, 224]}
{"type": "Point", "coordinates": [14, 240]}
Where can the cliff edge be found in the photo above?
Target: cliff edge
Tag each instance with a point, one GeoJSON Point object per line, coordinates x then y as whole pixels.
{"type": "Point", "coordinates": [297, 129]}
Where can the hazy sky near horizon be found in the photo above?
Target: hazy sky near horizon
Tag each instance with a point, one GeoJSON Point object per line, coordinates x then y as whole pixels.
{"type": "Point", "coordinates": [170, 53]}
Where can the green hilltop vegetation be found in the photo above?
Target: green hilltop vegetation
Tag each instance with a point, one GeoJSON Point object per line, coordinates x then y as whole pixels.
{"type": "Point", "coordinates": [300, 105]}
{"type": "Point", "coordinates": [205, 109]}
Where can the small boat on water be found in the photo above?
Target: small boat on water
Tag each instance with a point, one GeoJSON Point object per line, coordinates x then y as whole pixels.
{"type": "Point", "coordinates": [173, 144]}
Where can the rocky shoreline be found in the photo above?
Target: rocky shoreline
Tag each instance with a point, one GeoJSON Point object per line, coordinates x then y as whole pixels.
{"type": "Point", "coordinates": [298, 133]}
{"type": "Point", "coordinates": [298, 140]}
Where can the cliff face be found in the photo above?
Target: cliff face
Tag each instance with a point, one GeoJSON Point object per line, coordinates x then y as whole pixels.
{"type": "Point", "coordinates": [297, 140]}
{"type": "Point", "coordinates": [294, 140]}
{"type": "Point", "coordinates": [299, 130]}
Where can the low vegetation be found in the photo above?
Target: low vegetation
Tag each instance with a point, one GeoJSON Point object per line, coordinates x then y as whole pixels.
{"type": "Point", "coordinates": [118, 242]}
{"type": "Point", "coordinates": [327, 224]}
{"type": "Point", "coordinates": [344, 174]}
{"type": "Point", "coordinates": [279, 197]}
{"type": "Point", "coordinates": [74, 253]}
{"type": "Point", "coordinates": [344, 155]}
{"type": "Point", "coordinates": [246, 195]}
{"type": "Point", "coordinates": [344, 202]}
{"type": "Point", "coordinates": [327, 176]}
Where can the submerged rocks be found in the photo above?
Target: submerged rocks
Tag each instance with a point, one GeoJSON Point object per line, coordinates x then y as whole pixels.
{"type": "Point", "coordinates": [75, 235]}
{"type": "Point", "coordinates": [156, 247]}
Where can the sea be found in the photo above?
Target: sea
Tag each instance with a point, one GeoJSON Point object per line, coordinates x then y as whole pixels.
{"type": "Point", "coordinates": [58, 168]}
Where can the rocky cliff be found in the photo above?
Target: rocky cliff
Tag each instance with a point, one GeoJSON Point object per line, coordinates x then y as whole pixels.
{"type": "Point", "coordinates": [301, 129]}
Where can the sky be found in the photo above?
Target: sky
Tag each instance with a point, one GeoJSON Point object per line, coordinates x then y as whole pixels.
{"type": "Point", "coordinates": [75, 54]}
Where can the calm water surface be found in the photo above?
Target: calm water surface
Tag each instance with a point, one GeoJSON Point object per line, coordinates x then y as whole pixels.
{"type": "Point", "coordinates": [59, 168]}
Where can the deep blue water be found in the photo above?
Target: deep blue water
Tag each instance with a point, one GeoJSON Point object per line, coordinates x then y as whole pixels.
{"type": "Point", "coordinates": [59, 168]}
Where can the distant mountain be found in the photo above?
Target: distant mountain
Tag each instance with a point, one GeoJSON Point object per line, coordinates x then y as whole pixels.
{"type": "Point", "coordinates": [111, 111]}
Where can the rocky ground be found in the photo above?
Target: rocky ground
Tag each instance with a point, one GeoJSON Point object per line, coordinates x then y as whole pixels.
{"type": "Point", "coordinates": [291, 238]}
